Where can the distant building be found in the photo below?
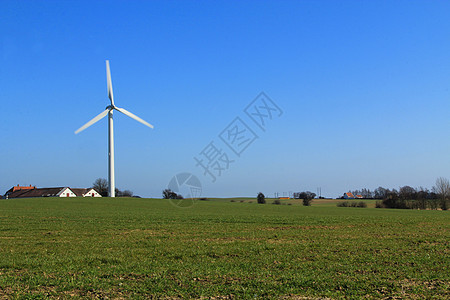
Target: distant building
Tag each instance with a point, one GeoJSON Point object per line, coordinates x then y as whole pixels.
{"type": "Point", "coordinates": [359, 197]}
{"type": "Point", "coordinates": [33, 192]}
{"type": "Point", "coordinates": [18, 188]}
{"type": "Point", "coordinates": [349, 196]}
{"type": "Point", "coordinates": [86, 192]}
{"type": "Point", "coordinates": [43, 192]}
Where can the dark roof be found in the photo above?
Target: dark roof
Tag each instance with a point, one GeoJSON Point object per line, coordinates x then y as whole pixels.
{"type": "Point", "coordinates": [44, 192]}
{"type": "Point", "coordinates": [16, 194]}
{"type": "Point", "coordinates": [80, 192]}
{"type": "Point", "coordinates": [19, 188]}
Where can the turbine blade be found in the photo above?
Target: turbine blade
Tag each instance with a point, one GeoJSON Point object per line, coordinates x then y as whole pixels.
{"type": "Point", "coordinates": [94, 120]}
{"type": "Point", "coordinates": [133, 116]}
{"type": "Point", "coordinates": [109, 82]}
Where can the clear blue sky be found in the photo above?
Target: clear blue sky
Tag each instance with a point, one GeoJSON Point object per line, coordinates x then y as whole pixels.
{"type": "Point", "coordinates": [363, 85]}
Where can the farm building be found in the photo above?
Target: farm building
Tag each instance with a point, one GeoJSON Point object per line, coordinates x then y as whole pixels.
{"type": "Point", "coordinates": [349, 196]}
{"type": "Point", "coordinates": [42, 192]}
{"type": "Point", "coordinates": [33, 192]}
{"type": "Point", "coordinates": [18, 188]}
{"type": "Point", "coordinates": [86, 192]}
{"type": "Point", "coordinates": [359, 196]}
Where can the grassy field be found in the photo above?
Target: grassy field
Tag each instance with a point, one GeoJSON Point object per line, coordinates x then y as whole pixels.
{"type": "Point", "coordinates": [141, 248]}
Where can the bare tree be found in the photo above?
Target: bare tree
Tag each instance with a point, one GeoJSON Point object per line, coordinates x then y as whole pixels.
{"type": "Point", "coordinates": [380, 193]}
{"type": "Point", "coordinates": [127, 193]}
{"type": "Point", "coordinates": [442, 188]}
{"type": "Point", "coordinates": [101, 186]}
{"type": "Point", "coordinates": [366, 193]}
{"type": "Point", "coordinates": [407, 193]}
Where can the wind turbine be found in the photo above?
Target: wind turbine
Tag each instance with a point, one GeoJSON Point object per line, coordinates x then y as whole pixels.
{"type": "Point", "coordinates": [109, 111]}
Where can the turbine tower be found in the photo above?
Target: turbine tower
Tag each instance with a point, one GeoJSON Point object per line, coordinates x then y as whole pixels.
{"type": "Point", "coordinates": [109, 111]}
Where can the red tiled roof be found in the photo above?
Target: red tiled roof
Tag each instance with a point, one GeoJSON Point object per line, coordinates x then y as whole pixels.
{"type": "Point", "coordinates": [19, 188]}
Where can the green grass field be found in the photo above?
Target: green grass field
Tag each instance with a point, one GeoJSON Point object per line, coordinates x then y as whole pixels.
{"type": "Point", "coordinates": [141, 248]}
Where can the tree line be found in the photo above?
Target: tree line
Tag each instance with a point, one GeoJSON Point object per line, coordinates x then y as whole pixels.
{"type": "Point", "coordinates": [405, 192]}
{"type": "Point", "coordinates": [101, 186]}
{"type": "Point", "coordinates": [411, 198]}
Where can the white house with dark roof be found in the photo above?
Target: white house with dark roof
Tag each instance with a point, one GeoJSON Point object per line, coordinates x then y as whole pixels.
{"type": "Point", "coordinates": [33, 192]}
{"type": "Point", "coordinates": [86, 192]}
{"type": "Point", "coordinates": [42, 192]}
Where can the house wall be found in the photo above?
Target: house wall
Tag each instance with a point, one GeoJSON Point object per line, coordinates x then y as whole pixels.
{"type": "Point", "coordinates": [65, 192]}
{"type": "Point", "coordinates": [90, 192]}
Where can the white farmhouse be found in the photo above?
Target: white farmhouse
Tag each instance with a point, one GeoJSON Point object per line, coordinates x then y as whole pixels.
{"type": "Point", "coordinates": [33, 192]}
{"type": "Point", "coordinates": [86, 192]}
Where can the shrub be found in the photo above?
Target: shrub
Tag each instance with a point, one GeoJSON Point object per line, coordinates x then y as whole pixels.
{"type": "Point", "coordinates": [444, 204]}
{"type": "Point", "coordinates": [434, 204]}
{"type": "Point", "coordinates": [232, 200]}
{"type": "Point", "coordinates": [343, 204]}
{"type": "Point", "coordinates": [352, 204]}
{"type": "Point", "coordinates": [261, 198]}
{"type": "Point", "coordinates": [307, 201]}
{"type": "Point", "coordinates": [393, 202]}
{"type": "Point", "coordinates": [242, 201]}
{"type": "Point", "coordinates": [169, 194]}
{"type": "Point", "coordinates": [306, 196]}
{"type": "Point", "coordinates": [379, 204]}
{"type": "Point", "coordinates": [204, 199]}
{"type": "Point", "coordinates": [277, 201]}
